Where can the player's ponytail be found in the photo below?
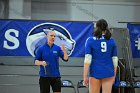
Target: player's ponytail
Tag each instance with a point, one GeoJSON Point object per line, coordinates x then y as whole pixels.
{"type": "Point", "coordinates": [102, 26]}
{"type": "Point", "coordinates": [107, 34]}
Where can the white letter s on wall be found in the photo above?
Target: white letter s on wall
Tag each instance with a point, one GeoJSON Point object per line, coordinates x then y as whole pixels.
{"type": "Point", "coordinates": [11, 38]}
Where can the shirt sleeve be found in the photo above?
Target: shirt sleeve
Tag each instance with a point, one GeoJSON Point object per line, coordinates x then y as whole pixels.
{"type": "Point", "coordinates": [88, 46]}
{"type": "Point", "coordinates": [38, 53]}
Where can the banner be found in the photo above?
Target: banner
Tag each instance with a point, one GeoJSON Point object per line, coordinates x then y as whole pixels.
{"type": "Point", "coordinates": [134, 31]}
{"type": "Point", "coordinates": [23, 37]}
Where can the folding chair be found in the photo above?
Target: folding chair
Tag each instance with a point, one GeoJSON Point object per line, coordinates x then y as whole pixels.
{"type": "Point", "coordinates": [123, 84]}
{"type": "Point", "coordinates": [80, 84]}
{"type": "Point", "coordinates": [136, 84]}
{"type": "Point", "coordinates": [67, 84]}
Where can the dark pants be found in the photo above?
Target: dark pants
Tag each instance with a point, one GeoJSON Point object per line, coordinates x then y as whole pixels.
{"type": "Point", "coordinates": [46, 82]}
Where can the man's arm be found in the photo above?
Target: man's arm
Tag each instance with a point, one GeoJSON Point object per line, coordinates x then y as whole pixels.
{"type": "Point", "coordinates": [39, 63]}
{"type": "Point", "coordinates": [65, 52]}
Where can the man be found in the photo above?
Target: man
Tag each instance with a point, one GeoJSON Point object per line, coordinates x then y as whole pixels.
{"type": "Point", "coordinates": [47, 57]}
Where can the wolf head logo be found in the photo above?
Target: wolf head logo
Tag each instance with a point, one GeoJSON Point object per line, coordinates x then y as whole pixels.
{"type": "Point", "coordinates": [37, 37]}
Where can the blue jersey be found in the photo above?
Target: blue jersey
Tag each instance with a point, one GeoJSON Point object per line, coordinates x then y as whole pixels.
{"type": "Point", "coordinates": [102, 51]}
{"type": "Point", "coordinates": [51, 56]}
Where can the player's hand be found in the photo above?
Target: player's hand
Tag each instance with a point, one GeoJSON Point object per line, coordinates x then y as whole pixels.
{"type": "Point", "coordinates": [86, 81]}
{"type": "Point", "coordinates": [43, 63]}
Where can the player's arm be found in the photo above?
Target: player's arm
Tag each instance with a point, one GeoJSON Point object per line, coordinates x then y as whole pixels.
{"type": "Point", "coordinates": [115, 63]}
{"type": "Point", "coordinates": [115, 58]}
{"type": "Point", "coordinates": [87, 63]}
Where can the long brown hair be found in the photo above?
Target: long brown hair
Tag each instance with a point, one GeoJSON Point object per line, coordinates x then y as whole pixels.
{"type": "Point", "coordinates": [102, 26]}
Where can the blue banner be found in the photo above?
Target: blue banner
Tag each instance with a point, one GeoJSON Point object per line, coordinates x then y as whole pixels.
{"type": "Point", "coordinates": [134, 31]}
{"type": "Point", "coordinates": [23, 37]}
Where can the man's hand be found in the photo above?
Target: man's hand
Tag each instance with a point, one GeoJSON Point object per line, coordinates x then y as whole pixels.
{"type": "Point", "coordinates": [63, 48]}
{"type": "Point", "coordinates": [65, 52]}
{"type": "Point", "coordinates": [43, 63]}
